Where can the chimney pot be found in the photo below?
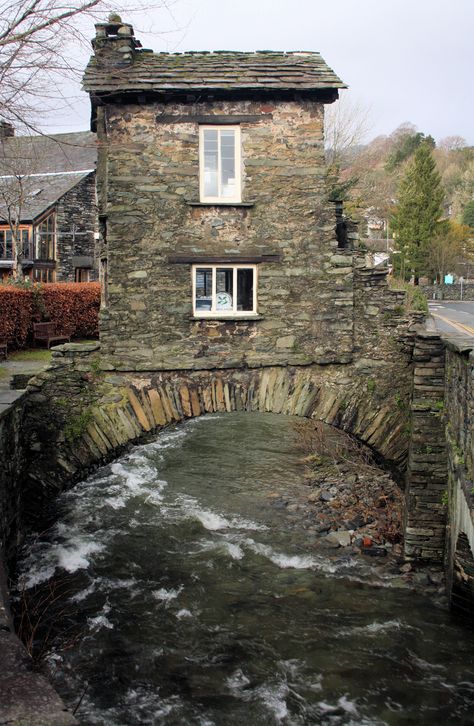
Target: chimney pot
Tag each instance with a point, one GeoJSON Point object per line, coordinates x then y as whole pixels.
{"type": "Point", "coordinates": [7, 130]}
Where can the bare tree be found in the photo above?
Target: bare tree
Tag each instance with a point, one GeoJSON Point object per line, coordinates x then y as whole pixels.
{"type": "Point", "coordinates": [36, 41]}
{"type": "Point", "coordinates": [19, 161]}
{"type": "Point", "coordinates": [346, 125]}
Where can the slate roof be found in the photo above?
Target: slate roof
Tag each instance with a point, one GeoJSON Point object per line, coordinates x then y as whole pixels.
{"type": "Point", "coordinates": [49, 165]}
{"type": "Point", "coordinates": [213, 71]}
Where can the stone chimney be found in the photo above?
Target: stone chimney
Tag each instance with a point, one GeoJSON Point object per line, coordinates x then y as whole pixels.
{"type": "Point", "coordinates": [6, 130]}
{"type": "Point", "coordinates": [114, 42]}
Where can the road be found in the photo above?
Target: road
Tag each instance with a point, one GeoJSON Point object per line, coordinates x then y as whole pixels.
{"type": "Point", "coordinates": [453, 317]}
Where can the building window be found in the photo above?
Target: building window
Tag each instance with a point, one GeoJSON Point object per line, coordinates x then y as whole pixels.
{"type": "Point", "coordinates": [81, 274]}
{"type": "Point", "coordinates": [224, 291]}
{"type": "Point", "coordinates": [45, 237]}
{"type": "Point", "coordinates": [44, 275]}
{"type": "Point", "coordinates": [219, 163]}
{"type": "Point", "coordinates": [6, 243]}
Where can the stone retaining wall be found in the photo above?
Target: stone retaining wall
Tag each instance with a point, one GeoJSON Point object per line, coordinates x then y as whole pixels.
{"type": "Point", "coordinates": [440, 477]}
{"type": "Point", "coordinates": [449, 292]}
{"type": "Point", "coordinates": [26, 697]}
{"type": "Point", "coordinates": [91, 415]}
{"type": "Point", "coordinates": [459, 398]}
{"type": "Point", "coordinates": [425, 512]}
{"type": "Point", "coordinates": [81, 413]}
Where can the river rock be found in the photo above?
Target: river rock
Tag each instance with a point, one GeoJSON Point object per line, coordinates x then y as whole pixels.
{"type": "Point", "coordinates": [326, 497]}
{"type": "Point", "coordinates": [323, 527]}
{"type": "Point", "coordinates": [341, 538]}
{"type": "Point", "coordinates": [436, 577]}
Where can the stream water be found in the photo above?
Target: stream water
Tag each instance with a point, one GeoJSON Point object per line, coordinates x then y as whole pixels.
{"type": "Point", "coordinates": [191, 595]}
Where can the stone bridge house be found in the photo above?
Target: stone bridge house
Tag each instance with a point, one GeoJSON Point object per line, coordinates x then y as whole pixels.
{"type": "Point", "coordinates": [229, 281]}
{"type": "Point", "coordinates": [222, 261]}
{"type": "Point", "coordinates": [47, 189]}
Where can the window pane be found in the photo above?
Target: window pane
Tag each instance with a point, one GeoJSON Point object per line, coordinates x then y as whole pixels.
{"type": "Point", "coordinates": [211, 188]}
{"type": "Point", "coordinates": [203, 288]}
{"type": "Point", "coordinates": [245, 289]}
{"type": "Point", "coordinates": [9, 244]}
{"type": "Point", "coordinates": [25, 243]}
{"type": "Point", "coordinates": [45, 239]}
{"type": "Point", "coordinates": [228, 162]}
{"type": "Point", "coordinates": [224, 291]}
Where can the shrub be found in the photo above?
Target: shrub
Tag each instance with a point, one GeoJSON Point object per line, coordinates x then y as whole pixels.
{"type": "Point", "coordinates": [16, 307]}
{"type": "Point", "coordinates": [74, 307]}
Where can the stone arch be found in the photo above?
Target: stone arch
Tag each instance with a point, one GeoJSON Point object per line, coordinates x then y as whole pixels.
{"type": "Point", "coordinates": [111, 411]}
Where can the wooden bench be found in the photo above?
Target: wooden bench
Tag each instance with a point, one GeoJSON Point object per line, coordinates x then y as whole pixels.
{"type": "Point", "coordinates": [3, 348]}
{"type": "Point", "coordinates": [46, 333]}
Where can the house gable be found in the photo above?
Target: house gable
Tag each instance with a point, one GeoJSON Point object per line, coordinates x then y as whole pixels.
{"type": "Point", "coordinates": [162, 241]}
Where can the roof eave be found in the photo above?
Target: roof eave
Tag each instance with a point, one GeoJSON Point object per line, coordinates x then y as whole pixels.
{"type": "Point", "coordinates": [105, 96]}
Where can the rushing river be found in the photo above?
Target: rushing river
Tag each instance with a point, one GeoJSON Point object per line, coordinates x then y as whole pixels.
{"type": "Point", "coordinates": [200, 599]}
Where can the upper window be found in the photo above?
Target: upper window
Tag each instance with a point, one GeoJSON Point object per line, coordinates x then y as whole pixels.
{"type": "Point", "coordinates": [219, 163]}
{"type": "Point", "coordinates": [224, 291]}
{"type": "Point", "coordinates": [45, 234]}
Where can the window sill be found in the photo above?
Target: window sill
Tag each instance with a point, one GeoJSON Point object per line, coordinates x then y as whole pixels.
{"type": "Point", "coordinates": [227, 318]}
{"type": "Point", "coordinates": [220, 204]}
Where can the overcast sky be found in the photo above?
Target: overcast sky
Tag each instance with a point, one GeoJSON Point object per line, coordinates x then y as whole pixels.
{"type": "Point", "coordinates": [406, 60]}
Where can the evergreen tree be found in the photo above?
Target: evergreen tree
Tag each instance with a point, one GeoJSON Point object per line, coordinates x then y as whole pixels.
{"type": "Point", "coordinates": [417, 216]}
{"type": "Point", "coordinates": [468, 214]}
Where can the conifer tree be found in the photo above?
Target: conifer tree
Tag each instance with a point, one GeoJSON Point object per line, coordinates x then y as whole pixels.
{"type": "Point", "coordinates": [417, 216]}
{"type": "Point", "coordinates": [468, 214]}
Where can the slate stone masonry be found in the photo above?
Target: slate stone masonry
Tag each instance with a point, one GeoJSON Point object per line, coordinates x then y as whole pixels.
{"type": "Point", "coordinates": [425, 513]}
{"type": "Point", "coordinates": [76, 224]}
{"type": "Point", "coordinates": [305, 299]}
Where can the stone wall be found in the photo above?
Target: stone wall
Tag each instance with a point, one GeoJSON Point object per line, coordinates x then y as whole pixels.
{"type": "Point", "coordinates": [459, 399]}
{"type": "Point", "coordinates": [80, 415]}
{"type": "Point", "coordinates": [76, 222]}
{"type": "Point", "coordinates": [26, 698]}
{"type": "Point", "coordinates": [425, 511]}
{"type": "Point", "coordinates": [449, 292]}
{"type": "Point", "coordinates": [148, 183]}
{"type": "Point", "coordinates": [12, 460]}
{"type": "Point", "coordinates": [440, 477]}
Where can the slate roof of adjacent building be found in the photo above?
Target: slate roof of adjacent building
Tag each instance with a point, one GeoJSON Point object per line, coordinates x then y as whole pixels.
{"type": "Point", "coordinates": [213, 71]}
{"type": "Point", "coordinates": [49, 167]}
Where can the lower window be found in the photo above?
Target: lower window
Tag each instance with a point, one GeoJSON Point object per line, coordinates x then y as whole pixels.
{"type": "Point", "coordinates": [44, 275]}
{"type": "Point", "coordinates": [81, 274]}
{"type": "Point", "coordinates": [224, 291]}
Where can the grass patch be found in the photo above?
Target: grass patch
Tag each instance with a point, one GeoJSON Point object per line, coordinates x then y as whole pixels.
{"type": "Point", "coordinates": [33, 354]}
{"type": "Point", "coordinates": [415, 299]}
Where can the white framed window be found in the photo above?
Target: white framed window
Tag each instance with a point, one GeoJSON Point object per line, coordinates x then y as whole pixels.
{"type": "Point", "coordinates": [224, 291]}
{"type": "Point", "coordinates": [219, 164]}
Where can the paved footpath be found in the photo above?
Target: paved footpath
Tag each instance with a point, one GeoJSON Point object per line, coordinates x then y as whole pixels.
{"type": "Point", "coordinates": [13, 377]}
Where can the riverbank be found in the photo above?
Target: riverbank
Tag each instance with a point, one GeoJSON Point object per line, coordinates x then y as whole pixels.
{"type": "Point", "coordinates": [352, 508]}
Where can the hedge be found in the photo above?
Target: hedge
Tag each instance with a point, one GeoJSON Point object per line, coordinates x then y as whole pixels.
{"type": "Point", "coordinates": [73, 306]}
